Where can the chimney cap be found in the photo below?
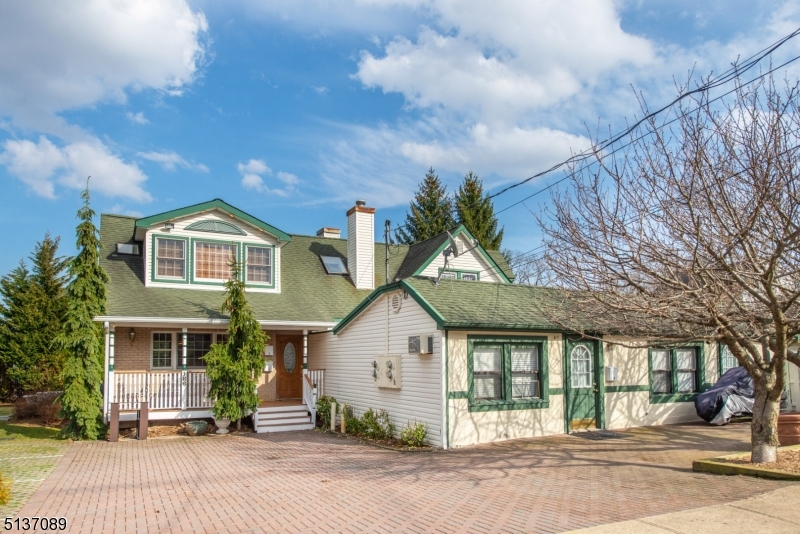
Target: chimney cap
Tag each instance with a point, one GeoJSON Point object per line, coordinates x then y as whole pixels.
{"type": "Point", "coordinates": [361, 202]}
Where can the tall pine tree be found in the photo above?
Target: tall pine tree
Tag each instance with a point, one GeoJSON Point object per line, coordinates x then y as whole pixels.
{"type": "Point", "coordinates": [32, 312]}
{"type": "Point", "coordinates": [81, 338]}
{"type": "Point", "coordinates": [476, 211]}
{"type": "Point", "coordinates": [17, 353]}
{"type": "Point", "coordinates": [431, 212]}
{"type": "Point", "coordinates": [233, 367]}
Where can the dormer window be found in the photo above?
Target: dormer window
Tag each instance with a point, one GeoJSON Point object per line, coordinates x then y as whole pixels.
{"type": "Point", "coordinates": [259, 265]}
{"type": "Point", "coordinates": [333, 265]}
{"type": "Point", "coordinates": [212, 261]}
{"type": "Point", "coordinates": [171, 258]}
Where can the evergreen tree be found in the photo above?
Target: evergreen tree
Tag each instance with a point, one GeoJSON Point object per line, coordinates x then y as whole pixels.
{"type": "Point", "coordinates": [81, 338]}
{"type": "Point", "coordinates": [431, 212]}
{"type": "Point", "coordinates": [476, 212]}
{"type": "Point", "coordinates": [17, 355]}
{"type": "Point", "coordinates": [49, 300]}
{"type": "Point", "coordinates": [232, 367]}
{"type": "Point", "coordinates": [32, 312]}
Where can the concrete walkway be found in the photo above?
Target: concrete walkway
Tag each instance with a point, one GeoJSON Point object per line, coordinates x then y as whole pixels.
{"type": "Point", "coordinates": [775, 512]}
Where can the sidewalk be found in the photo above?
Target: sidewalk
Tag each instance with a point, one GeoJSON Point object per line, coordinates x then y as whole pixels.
{"type": "Point", "coordinates": [774, 512]}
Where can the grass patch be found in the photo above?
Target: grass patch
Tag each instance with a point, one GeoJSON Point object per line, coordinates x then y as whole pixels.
{"type": "Point", "coordinates": [6, 410]}
{"type": "Point", "coordinates": [27, 431]}
{"type": "Point", "coordinates": [28, 454]}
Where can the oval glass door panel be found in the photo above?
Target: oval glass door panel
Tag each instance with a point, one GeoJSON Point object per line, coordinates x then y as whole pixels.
{"type": "Point", "coordinates": [289, 358]}
{"type": "Point", "coordinates": [581, 367]}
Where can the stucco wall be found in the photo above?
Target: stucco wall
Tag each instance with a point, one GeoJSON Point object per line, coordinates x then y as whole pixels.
{"type": "Point", "coordinates": [626, 409]}
{"type": "Point", "coordinates": [467, 428]}
{"type": "Point", "coordinates": [347, 361]}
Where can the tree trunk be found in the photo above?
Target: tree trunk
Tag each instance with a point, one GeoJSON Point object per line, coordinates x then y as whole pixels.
{"type": "Point", "coordinates": [764, 430]}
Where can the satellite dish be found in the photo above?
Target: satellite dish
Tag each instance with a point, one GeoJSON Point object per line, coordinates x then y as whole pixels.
{"type": "Point", "coordinates": [453, 245]}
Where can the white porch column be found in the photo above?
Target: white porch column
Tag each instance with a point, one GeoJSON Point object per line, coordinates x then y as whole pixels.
{"type": "Point", "coordinates": [106, 369]}
{"type": "Point", "coordinates": [112, 335]}
{"type": "Point", "coordinates": [305, 352]}
{"type": "Point", "coordinates": [184, 377]}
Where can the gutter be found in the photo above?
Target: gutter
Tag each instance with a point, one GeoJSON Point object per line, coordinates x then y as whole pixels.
{"type": "Point", "coordinates": [322, 325]}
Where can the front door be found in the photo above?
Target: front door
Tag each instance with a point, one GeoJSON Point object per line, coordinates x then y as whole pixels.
{"type": "Point", "coordinates": [289, 367]}
{"type": "Point", "coordinates": [581, 384]}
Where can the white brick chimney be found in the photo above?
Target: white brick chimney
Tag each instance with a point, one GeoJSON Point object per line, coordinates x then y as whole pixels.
{"type": "Point", "coordinates": [361, 245]}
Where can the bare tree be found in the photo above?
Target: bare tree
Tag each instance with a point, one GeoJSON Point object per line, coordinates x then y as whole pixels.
{"type": "Point", "coordinates": [691, 232]}
{"type": "Point", "coordinates": [530, 269]}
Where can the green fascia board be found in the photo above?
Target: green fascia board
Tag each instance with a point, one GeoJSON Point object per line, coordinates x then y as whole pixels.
{"type": "Point", "coordinates": [459, 230]}
{"type": "Point", "coordinates": [147, 222]}
{"type": "Point", "coordinates": [394, 286]}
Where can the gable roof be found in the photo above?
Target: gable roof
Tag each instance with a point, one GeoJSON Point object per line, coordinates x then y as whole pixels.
{"type": "Point", "coordinates": [147, 222]}
{"type": "Point", "coordinates": [308, 293]}
{"type": "Point", "coordinates": [460, 304]}
{"type": "Point", "coordinates": [421, 254]}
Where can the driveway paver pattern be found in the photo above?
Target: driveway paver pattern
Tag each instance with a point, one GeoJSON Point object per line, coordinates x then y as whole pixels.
{"type": "Point", "coordinates": [315, 482]}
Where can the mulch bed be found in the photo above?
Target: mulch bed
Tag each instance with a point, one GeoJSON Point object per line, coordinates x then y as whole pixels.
{"type": "Point", "coordinates": [787, 461]}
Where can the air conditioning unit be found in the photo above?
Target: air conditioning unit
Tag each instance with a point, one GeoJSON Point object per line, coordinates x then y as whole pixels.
{"type": "Point", "coordinates": [422, 344]}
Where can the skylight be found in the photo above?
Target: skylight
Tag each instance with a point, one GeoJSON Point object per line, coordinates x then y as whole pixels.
{"type": "Point", "coordinates": [333, 265]}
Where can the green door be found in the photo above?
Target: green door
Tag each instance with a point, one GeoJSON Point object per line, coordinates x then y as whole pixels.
{"type": "Point", "coordinates": [581, 384]}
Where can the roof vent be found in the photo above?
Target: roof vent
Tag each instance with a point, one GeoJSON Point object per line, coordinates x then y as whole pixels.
{"type": "Point", "coordinates": [361, 202]}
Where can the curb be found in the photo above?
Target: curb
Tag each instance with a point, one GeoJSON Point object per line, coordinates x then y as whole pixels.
{"type": "Point", "coordinates": [714, 466]}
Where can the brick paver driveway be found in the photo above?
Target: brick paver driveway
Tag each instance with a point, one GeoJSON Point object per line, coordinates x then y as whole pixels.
{"type": "Point", "coordinates": [308, 481]}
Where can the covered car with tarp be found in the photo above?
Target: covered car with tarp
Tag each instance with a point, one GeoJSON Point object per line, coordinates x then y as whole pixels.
{"type": "Point", "coordinates": [732, 395]}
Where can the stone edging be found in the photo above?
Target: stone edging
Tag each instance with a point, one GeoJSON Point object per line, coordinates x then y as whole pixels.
{"type": "Point", "coordinates": [711, 465]}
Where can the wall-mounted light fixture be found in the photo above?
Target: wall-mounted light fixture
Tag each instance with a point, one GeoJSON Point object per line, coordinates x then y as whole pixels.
{"type": "Point", "coordinates": [169, 226]}
{"type": "Point", "coordinates": [133, 334]}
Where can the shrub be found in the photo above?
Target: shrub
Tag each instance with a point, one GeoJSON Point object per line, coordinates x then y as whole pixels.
{"type": "Point", "coordinates": [377, 426]}
{"type": "Point", "coordinates": [5, 490]}
{"type": "Point", "coordinates": [324, 410]}
{"type": "Point", "coordinates": [415, 435]}
{"type": "Point", "coordinates": [40, 406]}
{"type": "Point", "coordinates": [353, 423]}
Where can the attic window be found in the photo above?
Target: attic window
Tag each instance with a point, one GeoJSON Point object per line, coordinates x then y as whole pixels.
{"type": "Point", "coordinates": [130, 249]}
{"type": "Point", "coordinates": [333, 265]}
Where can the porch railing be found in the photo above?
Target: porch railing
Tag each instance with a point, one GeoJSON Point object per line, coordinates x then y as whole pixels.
{"type": "Point", "coordinates": [317, 377]}
{"type": "Point", "coordinates": [310, 397]}
{"type": "Point", "coordinates": [162, 390]}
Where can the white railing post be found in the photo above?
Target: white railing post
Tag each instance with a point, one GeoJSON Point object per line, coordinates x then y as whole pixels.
{"type": "Point", "coordinates": [110, 368]}
{"type": "Point", "coordinates": [184, 377]}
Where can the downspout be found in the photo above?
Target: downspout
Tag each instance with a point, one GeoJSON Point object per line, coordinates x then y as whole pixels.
{"type": "Point", "coordinates": [446, 389]}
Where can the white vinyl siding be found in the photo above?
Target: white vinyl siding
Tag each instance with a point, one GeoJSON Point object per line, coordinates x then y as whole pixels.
{"type": "Point", "coordinates": [347, 360]}
{"type": "Point", "coordinates": [470, 262]}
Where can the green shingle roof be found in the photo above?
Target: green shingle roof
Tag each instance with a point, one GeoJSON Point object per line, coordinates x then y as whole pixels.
{"type": "Point", "coordinates": [481, 305]}
{"type": "Point", "coordinates": [307, 292]}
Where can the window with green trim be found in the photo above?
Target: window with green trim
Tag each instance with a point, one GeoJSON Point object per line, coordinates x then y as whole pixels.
{"type": "Point", "coordinates": [259, 265]}
{"type": "Point", "coordinates": [675, 370]}
{"type": "Point", "coordinates": [506, 371]}
{"type": "Point", "coordinates": [727, 360]}
{"type": "Point", "coordinates": [170, 258]}
{"type": "Point", "coordinates": [474, 276]}
{"type": "Point", "coordinates": [197, 346]}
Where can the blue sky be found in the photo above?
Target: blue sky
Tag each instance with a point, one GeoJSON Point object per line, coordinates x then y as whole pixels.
{"type": "Point", "coordinates": [291, 110]}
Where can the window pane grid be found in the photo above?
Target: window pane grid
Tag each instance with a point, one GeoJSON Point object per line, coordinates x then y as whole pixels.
{"type": "Point", "coordinates": [170, 258]}
{"type": "Point", "coordinates": [197, 346]}
{"type": "Point", "coordinates": [488, 364]}
{"type": "Point", "coordinates": [674, 370]}
{"type": "Point", "coordinates": [162, 350]}
{"type": "Point", "coordinates": [213, 261]}
{"type": "Point", "coordinates": [524, 372]}
{"type": "Point", "coordinates": [506, 372]}
{"type": "Point", "coordinates": [259, 265]}
{"type": "Point", "coordinates": [729, 361]}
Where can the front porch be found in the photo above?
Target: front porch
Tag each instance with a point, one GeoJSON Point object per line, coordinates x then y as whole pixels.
{"type": "Point", "coordinates": [164, 366]}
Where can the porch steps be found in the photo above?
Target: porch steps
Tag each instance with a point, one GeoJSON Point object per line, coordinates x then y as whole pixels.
{"type": "Point", "coordinates": [283, 418]}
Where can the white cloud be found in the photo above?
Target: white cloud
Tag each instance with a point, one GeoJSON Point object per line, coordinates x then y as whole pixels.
{"type": "Point", "coordinates": [254, 166]}
{"type": "Point", "coordinates": [252, 173]}
{"type": "Point", "coordinates": [121, 210]}
{"type": "Point", "coordinates": [171, 161]}
{"type": "Point", "coordinates": [320, 90]}
{"type": "Point", "coordinates": [41, 165]}
{"type": "Point", "coordinates": [137, 118]}
{"type": "Point", "coordinates": [501, 59]}
{"type": "Point", "coordinates": [87, 52]}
